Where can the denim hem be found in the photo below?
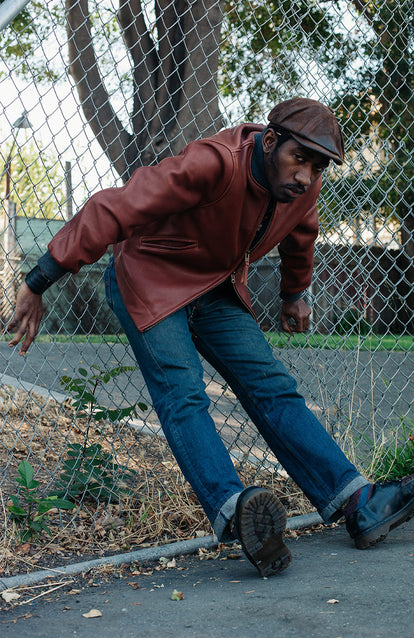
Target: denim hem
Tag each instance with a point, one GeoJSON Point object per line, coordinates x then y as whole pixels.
{"type": "Point", "coordinates": [330, 513]}
{"type": "Point", "coordinates": [223, 517]}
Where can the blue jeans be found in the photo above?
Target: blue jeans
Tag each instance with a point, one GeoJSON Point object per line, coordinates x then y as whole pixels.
{"type": "Point", "coordinates": [217, 326]}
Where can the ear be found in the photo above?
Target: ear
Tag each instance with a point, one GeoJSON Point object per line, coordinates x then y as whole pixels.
{"type": "Point", "coordinates": [269, 140]}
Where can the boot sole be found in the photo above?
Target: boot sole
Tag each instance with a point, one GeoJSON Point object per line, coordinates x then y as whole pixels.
{"type": "Point", "coordinates": [261, 525]}
{"type": "Point", "coordinates": [378, 534]}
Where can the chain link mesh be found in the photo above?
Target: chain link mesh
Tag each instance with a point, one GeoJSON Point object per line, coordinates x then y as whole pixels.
{"type": "Point", "coordinates": [92, 90]}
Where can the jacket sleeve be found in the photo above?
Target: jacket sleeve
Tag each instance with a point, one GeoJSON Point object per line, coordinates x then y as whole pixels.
{"type": "Point", "coordinates": [297, 252]}
{"type": "Point", "coordinates": [199, 173]}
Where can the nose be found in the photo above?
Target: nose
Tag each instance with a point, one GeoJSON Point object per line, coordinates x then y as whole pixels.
{"type": "Point", "coordinates": [304, 174]}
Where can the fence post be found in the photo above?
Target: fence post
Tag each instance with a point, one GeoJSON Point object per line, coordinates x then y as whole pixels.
{"type": "Point", "coordinates": [8, 274]}
{"type": "Point", "coordinates": [69, 190]}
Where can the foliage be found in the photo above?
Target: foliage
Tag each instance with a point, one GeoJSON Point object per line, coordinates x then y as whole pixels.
{"type": "Point", "coordinates": [377, 103]}
{"type": "Point", "coordinates": [37, 182]}
{"type": "Point", "coordinates": [268, 49]}
{"type": "Point", "coordinates": [22, 41]}
{"type": "Point", "coordinates": [31, 512]}
{"type": "Point", "coordinates": [88, 469]}
{"type": "Point", "coordinates": [352, 322]}
{"type": "Point", "coordinates": [397, 460]}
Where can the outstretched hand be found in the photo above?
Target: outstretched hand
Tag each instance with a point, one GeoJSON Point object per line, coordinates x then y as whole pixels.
{"type": "Point", "coordinates": [26, 319]}
{"type": "Point", "coordinates": [295, 316]}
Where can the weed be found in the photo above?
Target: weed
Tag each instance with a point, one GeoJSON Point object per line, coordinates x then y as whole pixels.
{"type": "Point", "coordinates": [396, 460]}
{"type": "Point", "coordinates": [88, 469]}
{"type": "Point", "coordinates": [31, 513]}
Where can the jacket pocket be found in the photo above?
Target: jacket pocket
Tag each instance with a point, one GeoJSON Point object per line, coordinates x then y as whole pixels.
{"type": "Point", "coordinates": [169, 244]}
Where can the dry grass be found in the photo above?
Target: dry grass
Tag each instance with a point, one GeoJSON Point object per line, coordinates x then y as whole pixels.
{"type": "Point", "coordinates": [160, 508]}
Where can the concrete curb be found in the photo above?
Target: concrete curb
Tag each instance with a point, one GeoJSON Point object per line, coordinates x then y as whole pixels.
{"type": "Point", "coordinates": [140, 556]}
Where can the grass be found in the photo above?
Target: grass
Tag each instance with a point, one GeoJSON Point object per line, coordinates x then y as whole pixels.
{"type": "Point", "coordinates": [369, 343]}
{"type": "Point", "coordinates": [395, 459]}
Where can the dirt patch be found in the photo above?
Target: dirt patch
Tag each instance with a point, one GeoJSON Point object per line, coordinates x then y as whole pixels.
{"type": "Point", "coordinates": [155, 505]}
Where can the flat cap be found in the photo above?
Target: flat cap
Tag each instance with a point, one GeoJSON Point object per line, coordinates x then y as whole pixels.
{"type": "Point", "coordinates": [312, 124]}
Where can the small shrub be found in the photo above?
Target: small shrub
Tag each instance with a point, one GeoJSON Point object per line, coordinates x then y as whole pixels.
{"type": "Point", "coordinates": [396, 461]}
{"type": "Point", "coordinates": [29, 511]}
{"type": "Point", "coordinates": [87, 468]}
{"type": "Point", "coordinates": [353, 322]}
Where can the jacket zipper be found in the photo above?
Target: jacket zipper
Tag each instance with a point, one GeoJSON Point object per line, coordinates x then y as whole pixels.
{"type": "Point", "coordinates": [245, 267]}
{"type": "Point", "coordinates": [246, 262]}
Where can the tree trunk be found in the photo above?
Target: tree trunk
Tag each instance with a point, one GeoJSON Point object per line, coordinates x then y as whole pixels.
{"type": "Point", "coordinates": [175, 96]}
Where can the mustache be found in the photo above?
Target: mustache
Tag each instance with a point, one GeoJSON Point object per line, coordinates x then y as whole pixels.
{"type": "Point", "coordinates": [296, 188]}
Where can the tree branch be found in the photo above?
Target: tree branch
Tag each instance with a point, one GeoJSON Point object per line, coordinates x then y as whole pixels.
{"type": "Point", "coordinates": [145, 64]}
{"type": "Point", "coordinates": [94, 99]}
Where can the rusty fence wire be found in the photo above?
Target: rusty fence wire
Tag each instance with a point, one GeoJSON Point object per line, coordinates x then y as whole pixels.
{"type": "Point", "coordinates": [92, 90]}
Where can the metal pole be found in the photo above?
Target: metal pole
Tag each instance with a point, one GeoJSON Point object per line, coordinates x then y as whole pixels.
{"type": "Point", "coordinates": [69, 190]}
{"type": "Point", "coordinates": [9, 9]}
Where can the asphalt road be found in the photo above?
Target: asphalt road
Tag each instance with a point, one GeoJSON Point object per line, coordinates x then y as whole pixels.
{"type": "Point", "coordinates": [227, 599]}
{"type": "Point", "coordinates": [365, 389]}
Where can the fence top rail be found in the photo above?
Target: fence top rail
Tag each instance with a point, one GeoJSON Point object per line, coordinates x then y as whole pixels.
{"type": "Point", "coordinates": [9, 9]}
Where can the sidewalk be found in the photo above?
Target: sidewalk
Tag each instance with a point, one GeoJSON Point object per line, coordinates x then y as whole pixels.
{"type": "Point", "coordinates": [225, 598]}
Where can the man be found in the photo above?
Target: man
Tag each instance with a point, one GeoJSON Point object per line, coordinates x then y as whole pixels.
{"type": "Point", "coordinates": [184, 232]}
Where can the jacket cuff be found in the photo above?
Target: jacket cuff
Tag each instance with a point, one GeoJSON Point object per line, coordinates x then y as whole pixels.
{"type": "Point", "coordinates": [42, 276]}
{"type": "Point", "coordinates": [286, 297]}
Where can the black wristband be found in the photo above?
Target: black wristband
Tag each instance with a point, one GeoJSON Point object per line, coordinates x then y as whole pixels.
{"type": "Point", "coordinates": [37, 281]}
{"type": "Point", "coordinates": [288, 298]}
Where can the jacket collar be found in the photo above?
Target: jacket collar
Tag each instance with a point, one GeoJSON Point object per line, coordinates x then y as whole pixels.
{"type": "Point", "coordinates": [258, 169]}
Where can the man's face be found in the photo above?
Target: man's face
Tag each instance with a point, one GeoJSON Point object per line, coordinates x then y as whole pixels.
{"type": "Point", "coordinates": [291, 168]}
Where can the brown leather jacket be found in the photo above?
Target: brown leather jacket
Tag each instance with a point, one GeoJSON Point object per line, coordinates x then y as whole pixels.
{"type": "Point", "coordinates": [183, 226]}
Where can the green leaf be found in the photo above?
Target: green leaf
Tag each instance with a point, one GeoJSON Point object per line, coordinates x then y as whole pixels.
{"type": "Point", "coordinates": [16, 510]}
{"type": "Point", "coordinates": [83, 372]}
{"type": "Point", "coordinates": [26, 535]}
{"type": "Point", "coordinates": [50, 502]}
{"type": "Point", "coordinates": [26, 472]}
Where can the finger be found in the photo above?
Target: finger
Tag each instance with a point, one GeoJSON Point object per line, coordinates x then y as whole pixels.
{"type": "Point", "coordinates": [11, 325]}
{"type": "Point", "coordinates": [20, 332]}
{"type": "Point", "coordinates": [25, 345]}
{"type": "Point", "coordinates": [286, 327]}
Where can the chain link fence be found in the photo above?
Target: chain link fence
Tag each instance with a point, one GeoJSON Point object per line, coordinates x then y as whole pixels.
{"type": "Point", "coordinates": [92, 90]}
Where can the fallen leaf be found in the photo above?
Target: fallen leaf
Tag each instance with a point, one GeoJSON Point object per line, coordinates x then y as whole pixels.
{"type": "Point", "coordinates": [134, 585]}
{"type": "Point", "coordinates": [169, 563]}
{"type": "Point", "coordinates": [177, 595]}
{"type": "Point", "coordinates": [10, 595]}
{"type": "Point", "coordinates": [93, 613]}
{"type": "Point", "coordinates": [332, 601]}
{"type": "Point", "coordinates": [23, 549]}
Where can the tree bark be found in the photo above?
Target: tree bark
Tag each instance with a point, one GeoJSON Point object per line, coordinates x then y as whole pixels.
{"type": "Point", "coordinates": [175, 95]}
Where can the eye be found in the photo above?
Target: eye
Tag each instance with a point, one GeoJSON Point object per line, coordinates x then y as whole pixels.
{"type": "Point", "coordinates": [299, 158]}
